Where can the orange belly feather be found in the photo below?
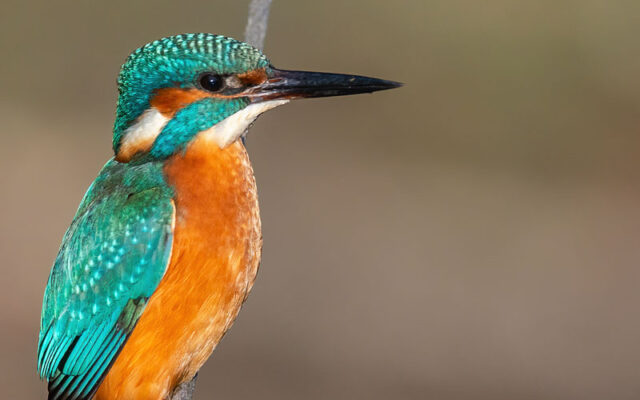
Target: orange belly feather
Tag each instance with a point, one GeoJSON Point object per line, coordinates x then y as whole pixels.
{"type": "Point", "coordinates": [214, 260]}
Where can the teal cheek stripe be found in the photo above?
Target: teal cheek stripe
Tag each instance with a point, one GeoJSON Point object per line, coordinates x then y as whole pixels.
{"type": "Point", "coordinates": [189, 121]}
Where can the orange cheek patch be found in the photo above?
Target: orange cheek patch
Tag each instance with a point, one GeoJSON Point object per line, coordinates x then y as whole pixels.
{"type": "Point", "coordinates": [168, 101]}
{"type": "Point", "coordinates": [253, 77]}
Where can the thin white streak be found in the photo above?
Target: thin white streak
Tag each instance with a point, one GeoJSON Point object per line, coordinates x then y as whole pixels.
{"type": "Point", "coordinates": [233, 127]}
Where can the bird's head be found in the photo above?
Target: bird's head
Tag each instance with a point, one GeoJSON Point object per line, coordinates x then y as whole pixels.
{"type": "Point", "coordinates": [172, 89]}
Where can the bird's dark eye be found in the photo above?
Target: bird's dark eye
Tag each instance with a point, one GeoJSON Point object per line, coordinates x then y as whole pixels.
{"type": "Point", "coordinates": [211, 82]}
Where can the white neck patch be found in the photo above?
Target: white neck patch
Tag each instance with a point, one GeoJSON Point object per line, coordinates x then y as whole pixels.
{"type": "Point", "coordinates": [141, 135]}
{"type": "Point", "coordinates": [234, 126]}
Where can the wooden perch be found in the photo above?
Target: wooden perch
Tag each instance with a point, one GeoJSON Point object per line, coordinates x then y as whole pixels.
{"type": "Point", "coordinates": [257, 23]}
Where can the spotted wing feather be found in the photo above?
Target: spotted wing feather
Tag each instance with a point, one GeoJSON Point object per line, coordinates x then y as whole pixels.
{"type": "Point", "coordinates": [110, 262]}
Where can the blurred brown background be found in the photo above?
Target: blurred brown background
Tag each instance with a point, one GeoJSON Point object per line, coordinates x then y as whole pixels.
{"type": "Point", "coordinates": [473, 235]}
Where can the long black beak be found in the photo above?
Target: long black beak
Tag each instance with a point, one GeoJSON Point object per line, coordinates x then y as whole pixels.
{"type": "Point", "coordinates": [283, 84]}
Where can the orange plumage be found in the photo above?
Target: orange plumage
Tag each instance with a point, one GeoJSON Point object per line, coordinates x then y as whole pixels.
{"type": "Point", "coordinates": [214, 261]}
{"type": "Point", "coordinates": [171, 100]}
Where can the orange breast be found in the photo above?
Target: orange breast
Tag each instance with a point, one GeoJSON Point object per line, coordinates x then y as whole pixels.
{"type": "Point", "coordinates": [215, 256]}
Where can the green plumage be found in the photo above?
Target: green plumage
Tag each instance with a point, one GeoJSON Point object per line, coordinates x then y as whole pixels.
{"type": "Point", "coordinates": [111, 260]}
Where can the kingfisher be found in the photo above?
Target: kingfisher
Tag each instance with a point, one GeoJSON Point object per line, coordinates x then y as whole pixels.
{"type": "Point", "coordinates": [166, 242]}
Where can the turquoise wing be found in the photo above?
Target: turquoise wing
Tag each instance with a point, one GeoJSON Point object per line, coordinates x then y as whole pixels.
{"type": "Point", "coordinates": [111, 260]}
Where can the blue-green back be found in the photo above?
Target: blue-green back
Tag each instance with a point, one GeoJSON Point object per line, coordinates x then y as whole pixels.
{"type": "Point", "coordinates": [111, 260]}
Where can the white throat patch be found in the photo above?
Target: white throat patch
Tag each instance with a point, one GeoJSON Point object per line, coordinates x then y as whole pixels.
{"type": "Point", "coordinates": [234, 126]}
